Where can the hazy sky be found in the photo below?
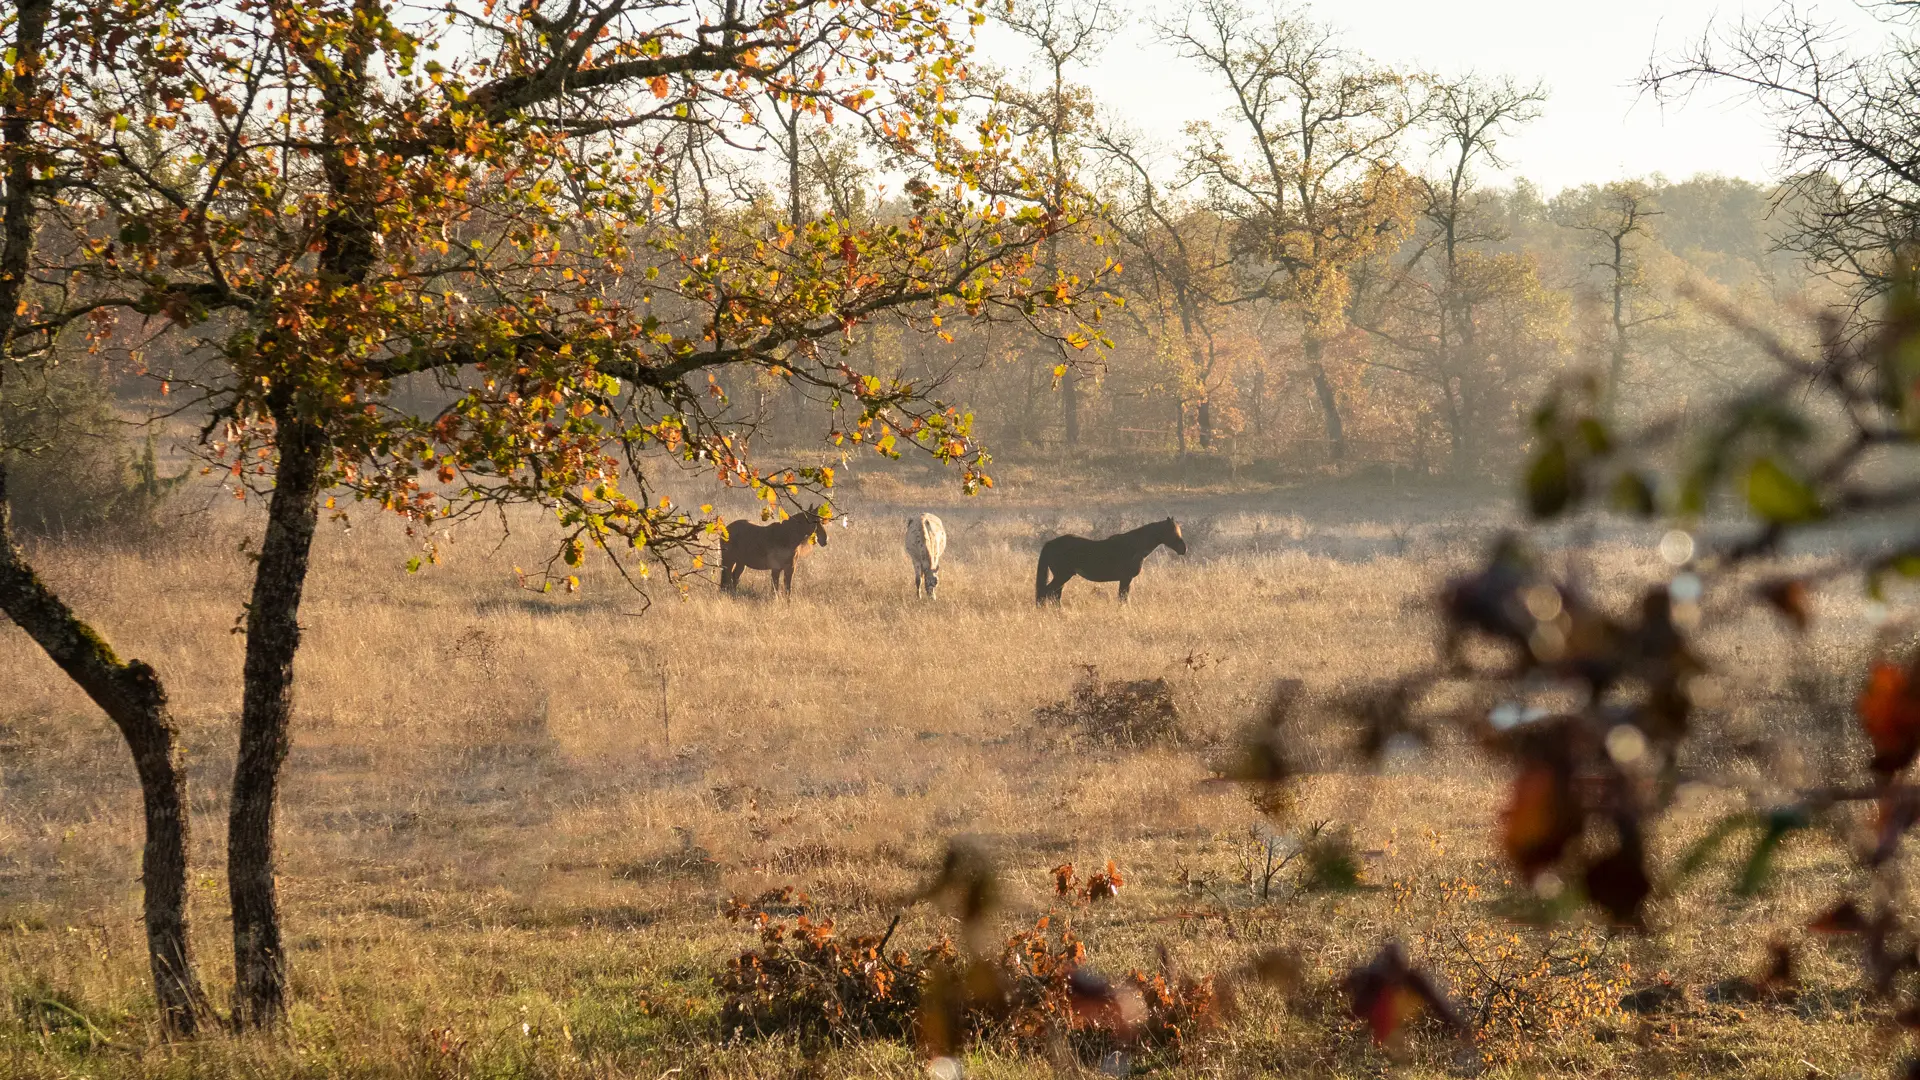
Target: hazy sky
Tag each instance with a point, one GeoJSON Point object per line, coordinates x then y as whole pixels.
{"type": "Point", "coordinates": [1596, 125]}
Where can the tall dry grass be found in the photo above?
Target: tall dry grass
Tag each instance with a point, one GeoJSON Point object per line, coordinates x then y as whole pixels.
{"type": "Point", "coordinates": [511, 818]}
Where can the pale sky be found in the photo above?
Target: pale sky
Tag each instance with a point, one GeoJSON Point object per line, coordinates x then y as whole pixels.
{"type": "Point", "coordinates": [1596, 126]}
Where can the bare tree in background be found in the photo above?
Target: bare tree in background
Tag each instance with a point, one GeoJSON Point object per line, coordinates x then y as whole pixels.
{"type": "Point", "coordinates": [1426, 300]}
{"type": "Point", "coordinates": [1617, 217]}
{"type": "Point", "coordinates": [1308, 164]}
{"type": "Point", "coordinates": [1848, 126]}
{"type": "Point", "coordinates": [1178, 271]}
{"type": "Point", "coordinates": [1059, 114]}
{"type": "Point", "coordinates": [1472, 116]}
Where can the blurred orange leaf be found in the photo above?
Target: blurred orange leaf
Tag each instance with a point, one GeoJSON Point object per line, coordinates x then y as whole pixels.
{"type": "Point", "coordinates": [1890, 714]}
{"type": "Point", "coordinates": [1541, 818]}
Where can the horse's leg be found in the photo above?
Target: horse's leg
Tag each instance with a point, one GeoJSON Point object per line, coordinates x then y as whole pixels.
{"type": "Point", "coordinates": [1126, 584]}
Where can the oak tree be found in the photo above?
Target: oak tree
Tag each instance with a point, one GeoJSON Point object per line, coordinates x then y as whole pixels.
{"type": "Point", "coordinates": [519, 216]}
{"type": "Point", "coordinates": [56, 52]}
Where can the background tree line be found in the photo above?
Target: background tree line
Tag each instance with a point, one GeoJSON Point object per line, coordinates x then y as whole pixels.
{"type": "Point", "coordinates": [1327, 275]}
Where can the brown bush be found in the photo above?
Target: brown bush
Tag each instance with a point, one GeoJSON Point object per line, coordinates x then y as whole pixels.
{"type": "Point", "coordinates": [806, 981]}
{"type": "Point", "coordinates": [1114, 712]}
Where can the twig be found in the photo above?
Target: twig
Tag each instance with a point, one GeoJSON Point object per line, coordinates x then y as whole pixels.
{"type": "Point", "coordinates": [881, 948]}
{"type": "Point", "coordinates": [95, 1037]}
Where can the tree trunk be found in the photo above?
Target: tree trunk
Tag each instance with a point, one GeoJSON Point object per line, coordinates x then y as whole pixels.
{"type": "Point", "coordinates": [1457, 452]}
{"type": "Point", "coordinates": [1617, 363]}
{"type": "Point", "coordinates": [131, 695]}
{"type": "Point", "coordinates": [1329, 404]}
{"type": "Point", "coordinates": [1259, 403]}
{"type": "Point", "coordinates": [1204, 422]}
{"type": "Point", "coordinates": [129, 692]}
{"type": "Point", "coordinates": [273, 637]}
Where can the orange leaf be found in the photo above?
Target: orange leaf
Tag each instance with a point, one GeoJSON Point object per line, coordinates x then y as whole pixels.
{"type": "Point", "coordinates": [1890, 715]}
{"type": "Point", "coordinates": [1540, 819]}
{"type": "Point", "coordinates": [1790, 598]}
{"type": "Point", "coordinates": [1842, 918]}
{"type": "Point", "coordinates": [1391, 1008]}
{"type": "Point", "coordinates": [1062, 879]}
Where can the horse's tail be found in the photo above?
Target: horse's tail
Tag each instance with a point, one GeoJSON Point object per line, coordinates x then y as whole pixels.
{"type": "Point", "coordinates": [1040, 579]}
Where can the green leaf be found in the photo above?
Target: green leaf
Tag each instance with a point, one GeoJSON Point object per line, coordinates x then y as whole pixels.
{"type": "Point", "coordinates": [1633, 494]}
{"type": "Point", "coordinates": [1705, 847]}
{"type": "Point", "coordinates": [1760, 862]}
{"type": "Point", "coordinates": [1779, 497]}
{"type": "Point", "coordinates": [1550, 481]}
{"type": "Point", "coordinates": [1594, 434]}
{"type": "Point", "coordinates": [135, 232]}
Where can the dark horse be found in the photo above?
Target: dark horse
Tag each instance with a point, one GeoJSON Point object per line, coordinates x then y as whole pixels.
{"type": "Point", "coordinates": [768, 547]}
{"type": "Point", "coordinates": [1117, 558]}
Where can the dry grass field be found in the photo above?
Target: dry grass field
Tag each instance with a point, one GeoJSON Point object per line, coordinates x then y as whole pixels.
{"type": "Point", "coordinates": [512, 821]}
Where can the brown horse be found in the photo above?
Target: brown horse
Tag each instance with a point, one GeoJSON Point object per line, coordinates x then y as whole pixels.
{"type": "Point", "coordinates": [1117, 558]}
{"type": "Point", "coordinates": [772, 547]}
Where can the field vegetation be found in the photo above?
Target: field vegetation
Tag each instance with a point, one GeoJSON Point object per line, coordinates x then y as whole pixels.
{"type": "Point", "coordinates": [514, 827]}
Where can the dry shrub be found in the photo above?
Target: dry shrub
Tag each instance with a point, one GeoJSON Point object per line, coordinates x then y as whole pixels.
{"type": "Point", "coordinates": [688, 860]}
{"type": "Point", "coordinates": [1330, 862]}
{"type": "Point", "coordinates": [1115, 712]}
{"type": "Point", "coordinates": [1047, 992]}
{"type": "Point", "coordinates": [807, 981]}
{"type": "Point", "coordinates": [1520, 987]}
{"type": "Point", "coordinates": [1099, 885]}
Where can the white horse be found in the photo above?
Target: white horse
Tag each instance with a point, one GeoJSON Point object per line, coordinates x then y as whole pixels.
{"type": "Point", "coordinates": [926, 542]}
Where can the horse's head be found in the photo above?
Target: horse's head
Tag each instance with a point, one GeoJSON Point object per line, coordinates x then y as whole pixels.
{"type": "Point", "coordinates": [1175, 538]}
{"type": "Point", "coordinates": [819, 534]}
